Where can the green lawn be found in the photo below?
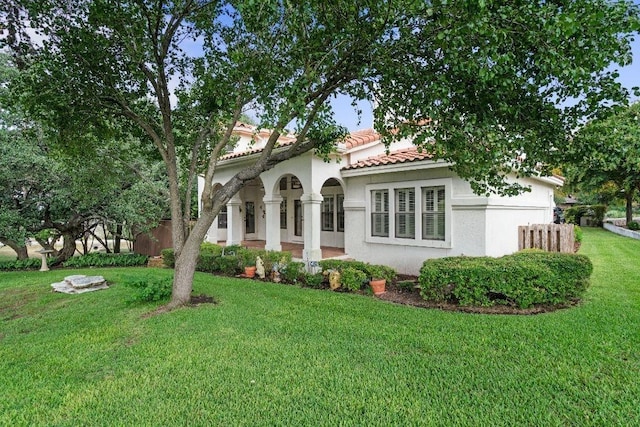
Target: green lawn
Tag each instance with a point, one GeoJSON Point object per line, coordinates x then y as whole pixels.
{"type": "Point", "coordinates": [271, 354]}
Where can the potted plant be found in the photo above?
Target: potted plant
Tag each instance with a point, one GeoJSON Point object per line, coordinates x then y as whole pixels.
{"type": "Point", "coordinates": [379, 274]}
{"type": "Point", "coordinates": [248, 259]}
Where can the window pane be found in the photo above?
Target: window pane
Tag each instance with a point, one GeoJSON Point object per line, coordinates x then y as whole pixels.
{"type": "Point", "coordinates": [327, 213]}
{"type": "Point", "coordinates": [340, 209]}
{"type": "Point", "coordinates": [222, 218]}
{"type": "Point", "coordinates": [283, 213]}
{"type": "Point", "coordinates": [433, 215]}
{"type": "Point", "coordinates": [380, 213]}
{"type": "Point", "coordinates": [405, 213]}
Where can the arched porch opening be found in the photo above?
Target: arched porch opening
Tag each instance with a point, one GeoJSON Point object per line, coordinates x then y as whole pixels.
{"type": "Point", "coordinates": [332, 214]}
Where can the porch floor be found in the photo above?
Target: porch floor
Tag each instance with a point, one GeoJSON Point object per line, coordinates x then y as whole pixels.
{"type": "Point", "coordinates": [294, 248]}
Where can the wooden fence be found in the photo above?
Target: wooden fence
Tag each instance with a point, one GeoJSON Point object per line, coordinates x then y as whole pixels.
{"type": "Point", "coordinates": [548, 237]}
{"type": "Point", "coordinates": [153, 242]}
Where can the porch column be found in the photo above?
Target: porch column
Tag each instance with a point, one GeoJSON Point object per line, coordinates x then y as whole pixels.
{"type": "Point", "coordinates": [212, 233]}
{"type": "Point", "coordinates": [272, 221]}
{"type": "Point", "coordinates": [234, 221]}
{"type": "Point", "coordinates": [311, 208]}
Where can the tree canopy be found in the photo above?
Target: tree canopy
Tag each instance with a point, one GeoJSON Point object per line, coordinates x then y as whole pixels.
{"type": "Point", "coordinates": [477, 83]}
{"type": "Point", "coordinates": [605, 155]}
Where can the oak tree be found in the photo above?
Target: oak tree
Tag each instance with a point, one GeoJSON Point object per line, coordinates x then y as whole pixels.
{"type": "Point", "coordinates": [477, 83]}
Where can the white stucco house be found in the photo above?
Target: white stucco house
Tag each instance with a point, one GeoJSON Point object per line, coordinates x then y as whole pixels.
{"type": "Point", "coordinates": [396, 209]}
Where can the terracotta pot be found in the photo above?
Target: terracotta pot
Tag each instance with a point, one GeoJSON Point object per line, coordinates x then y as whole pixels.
{"type": "Point", "coordinates": [250, 272]}
{"type": "Point", "coordinates": [378, 286]}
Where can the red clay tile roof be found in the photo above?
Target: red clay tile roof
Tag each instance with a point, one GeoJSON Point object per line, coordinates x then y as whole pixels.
{"type": "Point", "coordinates": [354, 139]}
{"type": "Point", "coordinates": [361, 137]}
{"type": "Point", "coordinates": [401, 156]}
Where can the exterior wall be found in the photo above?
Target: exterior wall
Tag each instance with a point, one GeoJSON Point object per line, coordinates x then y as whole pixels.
{"type": "Point", "coordinates": [505, 214]}
{"type": "Point", "coordinates": [476, 225]}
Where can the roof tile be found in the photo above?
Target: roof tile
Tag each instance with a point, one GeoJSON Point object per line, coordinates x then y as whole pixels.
{"type": "Point", "coordinates": [406, 155]}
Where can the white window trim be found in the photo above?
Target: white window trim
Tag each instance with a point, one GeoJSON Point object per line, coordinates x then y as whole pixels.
{"type": "Point", "coordinates": [447, 183]}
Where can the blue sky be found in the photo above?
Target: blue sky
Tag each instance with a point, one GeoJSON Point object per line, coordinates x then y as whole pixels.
{"type": "Point", "coordinates": [346, 116]}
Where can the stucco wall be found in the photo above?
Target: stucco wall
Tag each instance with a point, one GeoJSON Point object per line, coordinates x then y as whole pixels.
{"type": "Point", "coordinates": [477, 225]}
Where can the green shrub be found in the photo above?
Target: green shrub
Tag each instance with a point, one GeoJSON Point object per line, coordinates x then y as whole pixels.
{"type": "Point", "coordinates": [406, 285]}
{"type": "Point", "coordinates": [633, 225]}
{"type": "Point", "coordinates": [106, 260]}
{"type": "Point", "coordinates": [313, 280]}
{"type": "Point", "coordinates": [293, 272]}
{"type": "Point", "coordinates": [207, 262]}
{"type": "Point", "coordinates": [228, 265]}
{"type": "Point", "coordinates": [374, 271]}
{"type": "Point", "coordinates": [210, 248]}
{"type": "Point", "coordinates": [340, 264]}
{"type": "Point", "coordinates": [575, 213]}
{"type": "Point", "coordinates": [247, 257]}
{"type": "Point", "coordinates": [577, 233]}
{"type": "Point", "coordinates": [23, 264]}
{"type": "Point", "coordinates": [168, 258]}
{"type": "Point", "coordinates": [352, 279]}
{"type": "Point", "coordinates": [523, 279]}
{"type": "Point", "coordinates": [148, 289]}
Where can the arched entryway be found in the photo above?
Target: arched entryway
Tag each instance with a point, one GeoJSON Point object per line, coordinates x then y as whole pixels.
{"type": "Point", "coordinates": [332, 214]}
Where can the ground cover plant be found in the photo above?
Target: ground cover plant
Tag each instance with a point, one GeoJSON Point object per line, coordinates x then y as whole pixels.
{"type": "Point", "coordinates": [268, 354]}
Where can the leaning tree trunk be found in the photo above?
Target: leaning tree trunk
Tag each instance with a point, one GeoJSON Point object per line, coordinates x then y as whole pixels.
{"type": "Point", "coordinates": [68, 246]}
{"type": "Point", "coordinates": [21, 251]}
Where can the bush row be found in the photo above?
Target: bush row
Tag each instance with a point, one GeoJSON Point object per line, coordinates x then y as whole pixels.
{"type": "Point", "coordinates": [107, 260]}
{"type": "Point", "coordinates": [231, 261]}
{"type": "Point", "coordinates": [22, 264]}
{"type": "Point", "coordinates": [523, 279]}
{"type": "Point", "coordinates": [355, 274]}
{"type": "Point", "coordinates": [88, 260]}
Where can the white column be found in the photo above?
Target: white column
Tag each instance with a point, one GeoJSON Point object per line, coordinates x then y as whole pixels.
{"type": "Point", "coordinates": [311, 208]}
{"type": "Point", "coordinates": [234, 221]}
{"type": "Point", "coordinates": [272, 222]}
{"type": "Point", "coordinates": [212, 233]}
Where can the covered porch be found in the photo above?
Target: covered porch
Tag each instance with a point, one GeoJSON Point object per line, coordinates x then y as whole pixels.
{"type": "Point", "coordinates": [295, 248]}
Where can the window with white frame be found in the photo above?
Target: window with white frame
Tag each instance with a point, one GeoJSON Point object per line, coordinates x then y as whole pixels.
{"type": "Point", "coordinates": [433, 213]}
{"type": "Point", "coordinates": [414, 213]}
{"type": "Point", "coordinates": [405, 213]}
{"type": "Point", "coordinates": [327, 213]}
{"type": "Point", "coordinates": [380, 213]}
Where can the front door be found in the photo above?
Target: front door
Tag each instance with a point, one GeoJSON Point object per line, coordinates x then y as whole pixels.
{"type": "Point", "coordinates": [249, 218]}
{"type": "Point", "coordinates": [297, 211]}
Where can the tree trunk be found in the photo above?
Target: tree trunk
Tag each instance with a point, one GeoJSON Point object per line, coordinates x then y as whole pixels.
{"type": "Point", "coordinates": [21, 251]}
{"type": "Point", "coordinates": [186, 262]}
{"type": "Point", "coordinates": [68, 247]}
{"type": "Point", "coordinates": [117, 239]}
{"type": "Point", "coordinates": [628, 196]}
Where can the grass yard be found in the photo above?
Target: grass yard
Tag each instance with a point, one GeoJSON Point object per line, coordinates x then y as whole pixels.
{"type": "Point", "coordinates": [272, 354]}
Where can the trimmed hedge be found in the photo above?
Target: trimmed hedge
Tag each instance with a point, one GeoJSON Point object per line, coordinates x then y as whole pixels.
{"type": "Point", "coordinates": [23, 264]}
{"type": "Point", "coordinates": [107, 260]}
{"type": "Point", "coordinates": [82, 261]}
{"type": "Point", "coordinates": [524, 279]}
